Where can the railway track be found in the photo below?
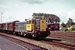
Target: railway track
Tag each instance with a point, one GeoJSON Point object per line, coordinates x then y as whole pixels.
{"type": "Point", "coordinates": [23, 44]}
{"type": "Point", "coordinates": [58, 44]}
{"type": "Point", "coordinates": [46, 44]}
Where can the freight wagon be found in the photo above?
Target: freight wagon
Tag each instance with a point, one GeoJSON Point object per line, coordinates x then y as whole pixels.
{"type": "Point", "coordinates": [8, 27]}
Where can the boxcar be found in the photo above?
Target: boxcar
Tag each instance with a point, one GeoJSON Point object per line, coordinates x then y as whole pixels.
{"type": "Point", "coordinates": [1, 27]}
{"type": "Point", "coordinates": [10, 27]}
{"type": "Point", "coordinates": [4, 29]}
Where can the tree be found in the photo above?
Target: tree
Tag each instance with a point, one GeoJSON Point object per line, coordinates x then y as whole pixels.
{"type": "Point", "coordinates": [69, 22]}
{"type": "Point", "coordinates": [63, 24]}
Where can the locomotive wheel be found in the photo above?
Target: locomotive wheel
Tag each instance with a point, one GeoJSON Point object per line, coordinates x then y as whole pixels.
{"type": "Point", "coordinates": [34, 35]}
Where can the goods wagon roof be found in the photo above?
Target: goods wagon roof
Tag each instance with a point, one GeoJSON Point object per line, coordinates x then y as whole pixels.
{"type": "Point", "coordinates": [8, 22]}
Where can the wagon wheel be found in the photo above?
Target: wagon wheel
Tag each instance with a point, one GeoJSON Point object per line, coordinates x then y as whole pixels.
{"type": "Point", "coordinates": [34, 35]}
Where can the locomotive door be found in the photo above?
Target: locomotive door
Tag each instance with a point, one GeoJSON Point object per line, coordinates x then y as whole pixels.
{"type": "Point", "coordinates": [43, 25]}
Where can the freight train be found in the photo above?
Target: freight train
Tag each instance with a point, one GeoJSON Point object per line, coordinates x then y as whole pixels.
{"type": "Point", "coordinates": [36, 28]}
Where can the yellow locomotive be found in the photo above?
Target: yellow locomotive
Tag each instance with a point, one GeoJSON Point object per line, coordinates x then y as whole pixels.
{"type": "Point", "coordinates": [37, 28]}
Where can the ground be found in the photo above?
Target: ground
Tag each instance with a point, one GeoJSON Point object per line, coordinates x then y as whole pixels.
{"type": "Point", "coordinates": [68, 36]}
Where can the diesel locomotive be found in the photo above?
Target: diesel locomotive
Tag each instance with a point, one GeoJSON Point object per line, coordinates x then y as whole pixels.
{"type": "Point", "coordinates": [36, 28]}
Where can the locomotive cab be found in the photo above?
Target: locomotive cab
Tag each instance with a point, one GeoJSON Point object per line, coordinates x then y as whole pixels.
{"type": "Point", "coordinates": [29, 27]}
{"type": "Point", "coordinates": [43, 32]}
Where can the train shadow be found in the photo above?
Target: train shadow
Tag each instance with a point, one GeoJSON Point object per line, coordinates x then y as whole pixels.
{"type": "Point", "coordinates": [51, 39]}
{"type": "Point", "coordinates": [46, 39]}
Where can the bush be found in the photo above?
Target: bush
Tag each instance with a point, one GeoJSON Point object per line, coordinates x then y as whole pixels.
{"type": "Point", "coordinates": [73, 29]}
{"type": "Point", "coordinates": [66, 30]}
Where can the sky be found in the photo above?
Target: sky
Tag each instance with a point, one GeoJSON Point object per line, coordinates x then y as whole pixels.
{"type": "Point", "coordinates": [11, 10]}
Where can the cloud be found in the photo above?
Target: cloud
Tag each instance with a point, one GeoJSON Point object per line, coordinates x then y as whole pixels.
{"type": "Point", "coordinates": [33, 1]}
{"type": "Point", "coordinates": [3, 2]}
{"type": "Point", "coordinates": [71, 14]}
{"type": "Point", "coordinates": [20, 9]}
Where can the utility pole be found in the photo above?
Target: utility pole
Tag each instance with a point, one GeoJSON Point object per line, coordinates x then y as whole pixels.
{"type": "Point", "coordinates": [1, 16]}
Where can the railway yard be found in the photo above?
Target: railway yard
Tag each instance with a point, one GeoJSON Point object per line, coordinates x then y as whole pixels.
{"type": "Point", "coordinates": [37, 25]}
{"type": "Point", "coordinates": [56, 41]}
{"type": "Point", "coordinates": [40, 33]}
